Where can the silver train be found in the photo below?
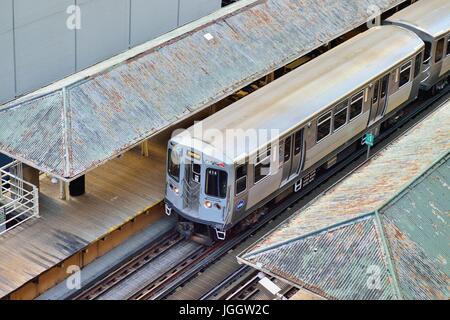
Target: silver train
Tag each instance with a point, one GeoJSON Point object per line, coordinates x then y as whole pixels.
{"type": "Point", "coordinates": [313, 114]}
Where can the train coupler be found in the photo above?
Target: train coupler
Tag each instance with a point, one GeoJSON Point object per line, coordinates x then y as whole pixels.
{"type": "Point", "coordinates": [168, 210]}
{"type": "Point", "coordinates": [221, 235]}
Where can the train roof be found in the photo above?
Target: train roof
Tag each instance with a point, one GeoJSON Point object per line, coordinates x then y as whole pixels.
{"type": "Point", "coordinates": [429, 16]}
{"type": "Point", "coordinates": [307, 91]}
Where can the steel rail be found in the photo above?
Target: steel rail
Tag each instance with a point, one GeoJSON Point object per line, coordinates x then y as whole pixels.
{"type": "Point", "coordinates": [120, 273]}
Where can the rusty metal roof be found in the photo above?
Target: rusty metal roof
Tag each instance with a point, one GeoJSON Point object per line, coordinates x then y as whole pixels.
{"type": "Point", "coordinates": [389, 219]}
{"type": "Point", "coordinates": [74, 125]}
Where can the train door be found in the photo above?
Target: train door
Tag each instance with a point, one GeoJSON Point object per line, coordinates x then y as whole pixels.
{"type": "Point", "coordinates": [292, 156]}
{"type": "Point", "coordinates": [379, 99]}
{"type": "Point", "coordinates": [192, 184]}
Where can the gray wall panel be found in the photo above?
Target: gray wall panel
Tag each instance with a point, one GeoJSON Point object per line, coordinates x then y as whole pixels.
{"type": "Point", "coordinates": [151, 19]}
{"type": "Point", "coordinates": [45, 47]}
{"type": "Point", "coordinates": [7, 85]}
{"type": "Point", "coordinates": [46, 50]}
{"type": "Point", "coordinates": [5, 16]}
{"type": "Point", "coordinates": [104, 30]}
{"type": "Point", "coordinates": [191, 10]}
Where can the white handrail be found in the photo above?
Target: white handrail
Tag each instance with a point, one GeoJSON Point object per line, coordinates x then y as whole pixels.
{"type": "Point", "coordinates": [19, 199]}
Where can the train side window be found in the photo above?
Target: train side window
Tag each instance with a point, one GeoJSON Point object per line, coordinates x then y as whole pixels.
{"type": "Point", "coordinates": [262, 169]}
{"type": "Point", "coordinates": [216, 183]}
{"type": "Point", "coordinates": [298, 142]}
{"type": "Point", "coordinates": [417, 65]}
{"type": "Point", "coordinates": [340, 115]}
{"type": "Point", "coordinates": [287, 149]}
{"type": "Point", "coordinates": [323, 126]}
{"type": "Point", "coordinates": [356, 106]}
{"type": "Point", "coordinates": [384, 86]}
{"type": "Point", "coordinates": [448, 46]}
{"type": "Point", "coordinates": [405, 74]}
{"type": "Point", "coordinates": [264, 154]}
{"type": "Point", "coordinates": [241, 179]}
{"type": "Point", "coordinates": [376, 92]}
{"type": "Point", "coordinates": [427, 53]}
{"type": "Point", "coordinates": [439, 50]}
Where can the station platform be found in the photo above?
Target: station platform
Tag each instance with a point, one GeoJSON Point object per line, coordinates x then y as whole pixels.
{"type": "Point", "coordinates": [103, 264]}
{"type": "Point", "coordinates": [121, 198]}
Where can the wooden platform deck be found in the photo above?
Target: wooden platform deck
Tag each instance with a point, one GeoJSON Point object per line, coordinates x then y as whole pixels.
{"type": "Point", "coordinates": [115, 193]}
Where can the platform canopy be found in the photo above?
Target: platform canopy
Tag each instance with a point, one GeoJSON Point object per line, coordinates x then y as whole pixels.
{"type": "Point", "coordinates": [80, 122]}
{"type": "Point", "coordinates": [381, 233]}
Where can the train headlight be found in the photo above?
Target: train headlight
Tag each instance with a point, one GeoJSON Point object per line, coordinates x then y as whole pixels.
{"type": "Point", "coordinates": [208, 204]}
{"type": "Point", "coordinates": [176, 190]}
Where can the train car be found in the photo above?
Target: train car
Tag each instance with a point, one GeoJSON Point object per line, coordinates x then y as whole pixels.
{"type": "Point", "coordinates": [430, 19]}
{"type": "Point", "coordinates": [302, 121]}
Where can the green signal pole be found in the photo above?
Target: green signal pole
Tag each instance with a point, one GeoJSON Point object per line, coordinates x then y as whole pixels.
{"type": "Point", "coordinates": [369, 140]}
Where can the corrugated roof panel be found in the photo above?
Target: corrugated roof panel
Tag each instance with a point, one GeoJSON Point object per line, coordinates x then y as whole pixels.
{"type": "Point", "coordinates": [131, 99]}
{"type": "Point", "coordinates": [338, 263]}
{"type": "Point", "coordinates": [39, 126]}
{"type": "Point", "coordinates": [418, 277]}
{"type": "Point", "coordinates": [418, 232]}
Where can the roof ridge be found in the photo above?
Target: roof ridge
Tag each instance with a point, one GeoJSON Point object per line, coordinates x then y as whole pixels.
{"type": "Point", "coordinates": [389, 261]}
{"type": "Point", "coordinates": [311, 233]}
{"type": "Point", "coordinates": [66, 122]}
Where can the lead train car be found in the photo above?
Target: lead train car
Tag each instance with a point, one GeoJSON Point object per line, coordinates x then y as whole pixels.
{"type": "Point", "coordinates": [430, 19]}
{"type": "Point", "coordinates": [317, 110]}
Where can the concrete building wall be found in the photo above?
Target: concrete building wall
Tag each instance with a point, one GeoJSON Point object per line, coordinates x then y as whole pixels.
{"type": "Point", "coordinates": [7, 79]}
{"type": "Point", "coordinates": [44, 46]}
{"type": "Point", "coordinates": [104, 30]}
{"type": "Point", "coordinates": [37, 47]}
{"type": "Point", "coordinates": [191, 10]}
{"type": "Point", "coordinates": [152, 19]}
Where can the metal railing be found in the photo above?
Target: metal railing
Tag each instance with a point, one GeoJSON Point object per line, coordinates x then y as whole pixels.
{"type": "Point", "coordinates": [19, 200]}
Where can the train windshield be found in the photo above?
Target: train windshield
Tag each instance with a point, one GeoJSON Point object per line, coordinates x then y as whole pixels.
{"type": "Point", "coordinates": [173, 164]}
{"type": "Point", "coordinates": [216, 183]}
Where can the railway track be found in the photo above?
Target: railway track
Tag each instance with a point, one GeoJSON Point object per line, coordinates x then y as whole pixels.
{"type": "Point", "coordinates": [251, 290]}
{"type": "Point", "coordinates": [117, 275]}
{"type": "Point", "coordinates": [170, 263]}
